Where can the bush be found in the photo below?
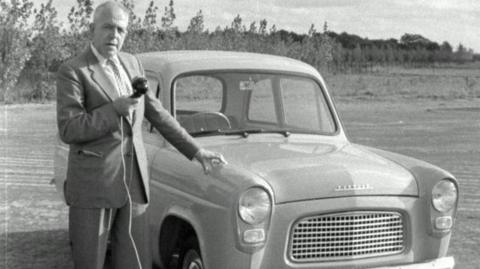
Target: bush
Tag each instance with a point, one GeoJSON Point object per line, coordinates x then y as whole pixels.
{"type": "Point", "coordinates": [14, 41]}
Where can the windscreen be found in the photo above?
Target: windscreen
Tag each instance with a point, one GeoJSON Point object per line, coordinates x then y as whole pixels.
{"type": "Point", "coordinates": [235, 101]}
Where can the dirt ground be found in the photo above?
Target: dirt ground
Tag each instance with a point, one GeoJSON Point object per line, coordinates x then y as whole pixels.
{"type": "Point", "coordinates": [33, 219]}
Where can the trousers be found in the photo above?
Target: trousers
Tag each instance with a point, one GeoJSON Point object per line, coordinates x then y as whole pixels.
{"type": "Point", "coordinates": [125, 229]}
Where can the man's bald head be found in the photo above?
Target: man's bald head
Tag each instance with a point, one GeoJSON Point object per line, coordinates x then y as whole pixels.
{"type": "Point", "coordinates": [109, 28]}
{"type": "Point", "coordinates": [108, 8]}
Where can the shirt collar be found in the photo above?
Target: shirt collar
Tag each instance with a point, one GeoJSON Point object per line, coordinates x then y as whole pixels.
{"type": "Point", "coordinates": [102, 60]}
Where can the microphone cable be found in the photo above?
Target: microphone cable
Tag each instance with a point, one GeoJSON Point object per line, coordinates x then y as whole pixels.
{"type": "Point", "coordinates": [137, 256]}
{"type": "Point", "coordinates": [140, 87]}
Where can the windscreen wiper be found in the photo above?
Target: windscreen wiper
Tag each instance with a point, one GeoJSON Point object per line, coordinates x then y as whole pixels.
{"type": "Point", "coordinates": [243, 132]}
{"type": "Point", "coordinates": [208, 132]}
{"type": "Point", "coordinates": [246, 132]}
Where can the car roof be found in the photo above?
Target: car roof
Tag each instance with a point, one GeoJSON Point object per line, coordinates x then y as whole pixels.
{"type": "Point", "coordinates": [181, 61]}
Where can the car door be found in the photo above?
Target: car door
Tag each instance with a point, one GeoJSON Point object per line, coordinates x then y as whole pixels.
{"type": "Point", "coordinates": [170, 170]}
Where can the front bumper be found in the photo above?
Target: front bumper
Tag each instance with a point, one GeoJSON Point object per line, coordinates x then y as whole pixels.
{"type": "Point", "coordinates": [440, 263]}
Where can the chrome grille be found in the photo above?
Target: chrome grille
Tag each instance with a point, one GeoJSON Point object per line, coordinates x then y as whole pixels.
{"type": "Point", "coordinates": [349, 235]}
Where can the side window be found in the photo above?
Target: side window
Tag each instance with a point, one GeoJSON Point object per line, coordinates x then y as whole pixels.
{"type": "Point", "coordinates": [146, 126]}
{"type": "Point", "coordinates": [198, 103]}
{"type": "Point", "coordinates": [262, 104]}
{"type": "Point", "coordinates": [198, 93]}
{"type": "Point", "coordinates": [152, 86]}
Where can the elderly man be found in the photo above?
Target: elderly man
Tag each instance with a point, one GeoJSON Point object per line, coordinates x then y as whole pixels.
{"type": "Point", "coordinates": [107, 185]}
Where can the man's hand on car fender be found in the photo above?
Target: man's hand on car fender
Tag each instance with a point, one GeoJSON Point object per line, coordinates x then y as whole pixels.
{"type": "Point", "coordinates": [209, 159]}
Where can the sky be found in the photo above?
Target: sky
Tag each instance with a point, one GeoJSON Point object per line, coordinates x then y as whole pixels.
{"type": "Point", "coordinates": [454, 21]}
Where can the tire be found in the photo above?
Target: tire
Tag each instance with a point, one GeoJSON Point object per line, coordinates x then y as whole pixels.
{"type": "Point", "coordinates": [190, 257]}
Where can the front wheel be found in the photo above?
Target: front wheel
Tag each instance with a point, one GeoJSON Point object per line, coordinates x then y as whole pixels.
{"type": "Point", "coordinates": [190, 257]}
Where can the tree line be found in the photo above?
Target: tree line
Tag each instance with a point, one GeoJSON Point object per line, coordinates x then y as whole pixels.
{"type": "Point", "coordinates": [34, 42]}
{"type": "Point", "coordinates": [412, 50]}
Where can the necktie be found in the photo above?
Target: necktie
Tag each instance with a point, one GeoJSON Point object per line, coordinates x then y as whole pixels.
{"type": "Point", "coordinates": [122, 88]}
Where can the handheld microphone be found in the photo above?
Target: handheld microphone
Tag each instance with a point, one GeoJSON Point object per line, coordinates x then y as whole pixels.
{"type": "Point", "coordinates": [140, 87]}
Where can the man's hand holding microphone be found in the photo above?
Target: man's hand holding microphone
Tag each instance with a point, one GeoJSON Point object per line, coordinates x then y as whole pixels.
{"type": "Point", "coordinates": [125, 104]}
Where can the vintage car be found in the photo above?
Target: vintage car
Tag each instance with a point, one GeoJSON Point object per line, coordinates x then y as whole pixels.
{"type": "Point", "coordinates": [295, 192]}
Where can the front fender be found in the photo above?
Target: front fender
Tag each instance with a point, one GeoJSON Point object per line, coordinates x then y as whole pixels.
{"type": "Point", "coordinates": [426, 175]}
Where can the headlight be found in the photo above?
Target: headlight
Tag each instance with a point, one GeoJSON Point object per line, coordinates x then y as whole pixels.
{"type": "Point", "coordinates": [444, 195]}
{"type": "Point", "coordinates": [254, 205]}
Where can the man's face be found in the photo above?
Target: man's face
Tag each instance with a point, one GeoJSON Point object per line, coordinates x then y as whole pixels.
{"type": "Point", "coordinates": [109, 31]}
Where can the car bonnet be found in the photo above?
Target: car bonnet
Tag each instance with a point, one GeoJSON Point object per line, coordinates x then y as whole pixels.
{"type": "Point", "coordinates": [304, 171]}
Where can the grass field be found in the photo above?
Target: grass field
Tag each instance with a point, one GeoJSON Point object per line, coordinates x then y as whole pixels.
{"type": "Point", "coordinates": [395, 83]}
{"type": "Point", "coordinates": [442, 130]}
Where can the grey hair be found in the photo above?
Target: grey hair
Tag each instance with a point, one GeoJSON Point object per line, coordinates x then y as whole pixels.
{"type": "Point", "coordinates": [108, 5]}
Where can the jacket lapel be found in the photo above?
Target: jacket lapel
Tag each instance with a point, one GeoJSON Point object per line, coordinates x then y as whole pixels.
{"type": "Point", "coordinates": [99, 76]}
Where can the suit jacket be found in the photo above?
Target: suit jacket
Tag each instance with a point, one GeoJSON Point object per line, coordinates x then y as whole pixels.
{"type": "Point", "coordinates": [88, 122]}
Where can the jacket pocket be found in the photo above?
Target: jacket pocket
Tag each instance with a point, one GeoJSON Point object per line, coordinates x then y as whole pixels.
{"type": "Point", "coordinates": [90, 153]}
